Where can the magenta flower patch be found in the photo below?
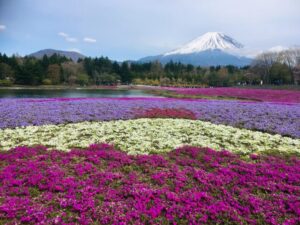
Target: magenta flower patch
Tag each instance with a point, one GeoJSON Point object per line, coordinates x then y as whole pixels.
{"type": "Point", "coordinates": [189, 185]}
{"type": "Point", "coordinates": [166, 113]}
{"type": "Point", "coordinates": [284, 96]}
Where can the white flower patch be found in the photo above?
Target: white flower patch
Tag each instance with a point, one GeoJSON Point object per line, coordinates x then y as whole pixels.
{"type": "Point", "coordinates": [144, 136]}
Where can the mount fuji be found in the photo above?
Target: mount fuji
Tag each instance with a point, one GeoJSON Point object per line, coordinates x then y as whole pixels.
{"type": "Point", "coordinates": [210, 49]}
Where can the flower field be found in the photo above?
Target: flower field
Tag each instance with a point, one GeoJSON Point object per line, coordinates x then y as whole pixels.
{"type": "Point", "coordinates": [149, 161]}
{"type": "Point", "coordinates": [284, 96]}
{"type": "Point", "coordinates": [100, 185]}
{"type": "Point", "coordinates": [144, 136]}
{"type": "Point", "coordinates": [268, 117]}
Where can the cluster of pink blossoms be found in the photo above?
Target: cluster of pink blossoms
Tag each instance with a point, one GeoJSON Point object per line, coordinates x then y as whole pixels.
{"type": "Point", "coordinates": [190, 185]}
{"type": "Point", "coordinates": [283, 96]}
{"type": "Point", "coordinates": [166, 113]}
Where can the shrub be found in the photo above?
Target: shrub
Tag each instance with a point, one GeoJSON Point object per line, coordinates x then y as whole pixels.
{"type": "Point", "coordinates": [82, 79]}
{"type": "Point", "coordinates": [6, 83]}
{"type": "Point", "coordinates": [47, 82]}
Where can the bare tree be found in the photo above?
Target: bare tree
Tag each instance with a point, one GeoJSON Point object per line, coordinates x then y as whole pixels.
{"type": "Point", "coordinates": [296, 72]}
{"type": "Point", "coordinates": [71, 71]}
{"type": "Point", "coordinates": [263, 63]}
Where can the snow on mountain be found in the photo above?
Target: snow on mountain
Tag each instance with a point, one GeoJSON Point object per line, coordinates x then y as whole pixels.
{"type": "Point", "coordinates": [208, 41]}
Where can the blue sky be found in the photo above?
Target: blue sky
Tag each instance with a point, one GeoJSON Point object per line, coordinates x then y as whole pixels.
{"type": "Point", "coordinates": [131, 29]}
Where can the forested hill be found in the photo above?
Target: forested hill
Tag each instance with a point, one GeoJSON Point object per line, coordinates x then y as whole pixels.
{"type": "Point", "coordinates": [49, 52]}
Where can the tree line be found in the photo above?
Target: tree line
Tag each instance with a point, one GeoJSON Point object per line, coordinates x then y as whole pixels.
{"type": "Point", "coordinates": [276, 67]}
{"type": "Point", "coordinates": [267, 68]}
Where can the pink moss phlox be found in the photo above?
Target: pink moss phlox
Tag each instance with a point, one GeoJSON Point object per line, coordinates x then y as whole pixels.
{"type": "Point", "coordinates": [189, 185]}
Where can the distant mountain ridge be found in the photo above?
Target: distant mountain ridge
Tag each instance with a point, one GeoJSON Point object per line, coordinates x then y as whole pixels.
{"type": "Point", "coordinates": [49, 52]}
{"type": "Point", "coordinates": [206, 58]}
{"type": "Point", "coordinates": [210, 49]}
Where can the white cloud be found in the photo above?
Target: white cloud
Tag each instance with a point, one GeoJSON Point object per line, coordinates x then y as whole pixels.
{"type": "Point", "coordinates": [278, 48]}
{"type": "Point", "coordinates": [71, 39]}
{"type": "Point", "coordinates": [246, 52]}
{"type": "Point", "coordinates": [2, 27]}
{"type": "Point", "coordinates": [62, 34]}
{"type": "Point", "coordinates": [89, 40]}
{"type": "Point", "coordinates": [67, 37]}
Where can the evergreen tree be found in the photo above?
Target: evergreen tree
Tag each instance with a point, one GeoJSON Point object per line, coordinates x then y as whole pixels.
{"type": "Point", "coordinates": [125, 73]}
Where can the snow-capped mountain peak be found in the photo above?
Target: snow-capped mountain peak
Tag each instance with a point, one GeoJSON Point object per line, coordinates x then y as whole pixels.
{"type": "Point", "coordinates": [212, 48]}
{"type": "Point", "coordinates": [208, 41]}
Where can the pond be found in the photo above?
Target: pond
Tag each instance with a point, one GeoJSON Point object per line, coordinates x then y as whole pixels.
{"type": "Point", "coordinates": [70, 93]}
